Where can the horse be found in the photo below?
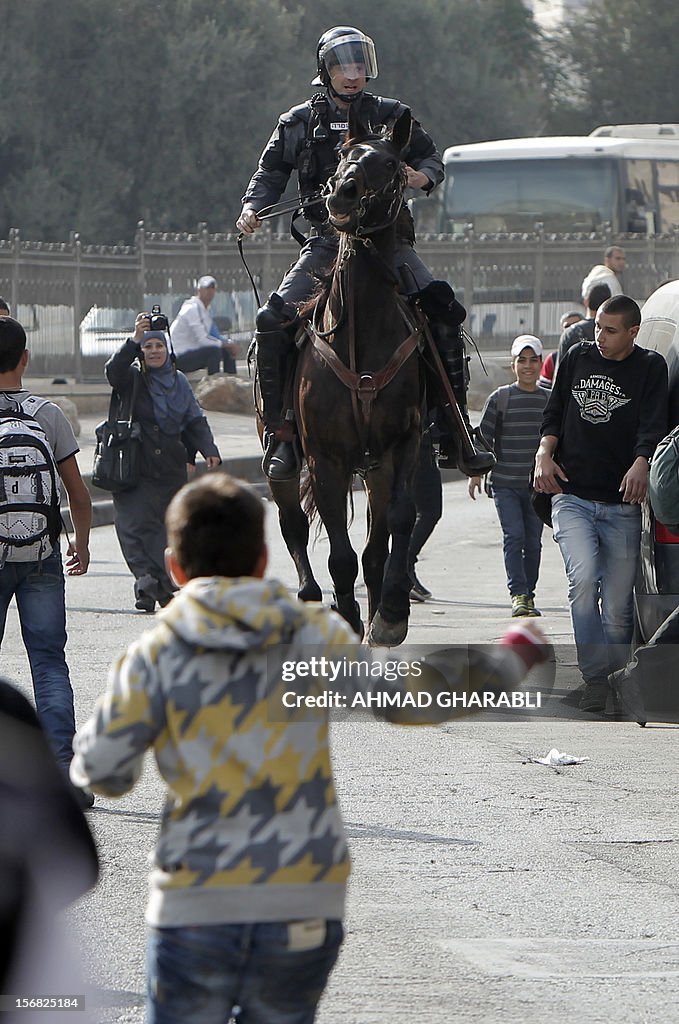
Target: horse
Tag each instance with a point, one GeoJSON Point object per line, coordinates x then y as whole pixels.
{"type": "Point", "coordinates": [358, 393]}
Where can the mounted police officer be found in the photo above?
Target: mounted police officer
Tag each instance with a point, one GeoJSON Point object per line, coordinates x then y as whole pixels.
{"type": "Point", "coordinates": [307, 139]}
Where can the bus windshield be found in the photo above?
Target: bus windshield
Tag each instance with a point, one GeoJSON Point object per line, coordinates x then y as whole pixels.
{"type": "Point", "coordinates": [512, 195]}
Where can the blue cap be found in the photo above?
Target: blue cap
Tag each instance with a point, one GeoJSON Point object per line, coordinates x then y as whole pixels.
{"type": "Point", "coordinates": [154, 334]}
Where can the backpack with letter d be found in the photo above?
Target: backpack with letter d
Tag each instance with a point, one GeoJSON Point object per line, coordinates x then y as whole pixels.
{"type": "Point", "coordinates": [30, 516]}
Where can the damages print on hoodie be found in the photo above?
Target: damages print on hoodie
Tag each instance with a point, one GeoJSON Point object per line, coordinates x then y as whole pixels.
{"type": "Point", "coordinates": [598, 396]}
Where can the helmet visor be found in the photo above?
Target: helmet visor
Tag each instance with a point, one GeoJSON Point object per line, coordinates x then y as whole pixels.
{"type": "Point", "coordinates": [352, 53]}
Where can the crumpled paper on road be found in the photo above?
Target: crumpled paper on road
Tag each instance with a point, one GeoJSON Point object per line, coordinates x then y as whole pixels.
{"type": "Point", "coordinates": [554, 759]}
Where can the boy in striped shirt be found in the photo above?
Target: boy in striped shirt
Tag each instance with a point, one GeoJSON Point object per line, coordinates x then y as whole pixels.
{"type": "Point", "coordinates": [514, 435]}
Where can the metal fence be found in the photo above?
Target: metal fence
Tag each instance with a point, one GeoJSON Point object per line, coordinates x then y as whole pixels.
{"type": "Point", "coordinates": [77, 301]}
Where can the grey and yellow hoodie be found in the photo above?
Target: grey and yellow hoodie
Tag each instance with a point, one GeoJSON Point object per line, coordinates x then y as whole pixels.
{"type": "Point", "coordinates": [251, 830]}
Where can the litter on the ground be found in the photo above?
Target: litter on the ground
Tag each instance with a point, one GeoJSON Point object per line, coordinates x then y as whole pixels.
{"type": "Point", "coordinates": [554, 759]}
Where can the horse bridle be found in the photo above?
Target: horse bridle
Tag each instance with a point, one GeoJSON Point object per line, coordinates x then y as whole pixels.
{"type": "Point", "coordinates": [396, 185]}
{"type": "Point", "coordinates": [365, 387]}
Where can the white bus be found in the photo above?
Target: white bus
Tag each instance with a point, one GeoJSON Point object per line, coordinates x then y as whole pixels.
{"type": "Point", "coordinates": [568, 184]}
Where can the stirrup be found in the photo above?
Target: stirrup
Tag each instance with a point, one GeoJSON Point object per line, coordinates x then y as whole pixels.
{"type": "Point", "coordinates": [280, 461]}
{"type": "Point", "coordinates": [477, 464]}
{"type": "Point", "coordinates": [451, 456]}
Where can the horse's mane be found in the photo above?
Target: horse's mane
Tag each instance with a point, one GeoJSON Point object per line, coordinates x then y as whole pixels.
{"type": "Point", "coordinates": [358, 140]}
{"type": "Point", "coordinates": [319, 296]}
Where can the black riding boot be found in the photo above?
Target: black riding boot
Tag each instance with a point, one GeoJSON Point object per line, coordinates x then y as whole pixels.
{"type": "Point", "coordinates": [280, 459]}
{"type": "Point", "coordinates": [450, 347]}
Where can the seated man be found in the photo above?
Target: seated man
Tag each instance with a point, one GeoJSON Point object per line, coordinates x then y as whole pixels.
{"type": "Point", "coordinates": [196, 341]}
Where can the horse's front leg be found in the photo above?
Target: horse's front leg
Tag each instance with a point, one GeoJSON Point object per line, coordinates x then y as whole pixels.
{"type": "Point", "coordinates": [389, 624]}
{"type": "Point", "coordinates": [330, 485]}
{"type": "Point", "coordinates": [379, 484]}
{"type": "Point", "coordinates": [294, 526]}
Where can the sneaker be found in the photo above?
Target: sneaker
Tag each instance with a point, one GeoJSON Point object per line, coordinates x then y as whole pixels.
{"type": "Point", "coordinates": [144, 603]}
{"type": "Point", "coordinates": [418, 592]}
{"type": "Point", "coordinates": [595, 696]}
{"type": "Point", "coordinates": [519, 605]}
{"type": "Point", "coordinates": [532, 610]}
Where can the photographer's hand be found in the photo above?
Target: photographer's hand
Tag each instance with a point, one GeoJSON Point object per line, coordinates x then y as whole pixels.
{"type": "Point", "coordinates": [141, 324]}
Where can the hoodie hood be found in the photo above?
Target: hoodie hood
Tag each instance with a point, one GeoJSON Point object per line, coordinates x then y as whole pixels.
{"type": "Point", "coordinates": [237, 613]}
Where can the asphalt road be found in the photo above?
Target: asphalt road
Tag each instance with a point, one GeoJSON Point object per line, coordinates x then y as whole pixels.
{"type": "Point", "coordinates": [485, 888]}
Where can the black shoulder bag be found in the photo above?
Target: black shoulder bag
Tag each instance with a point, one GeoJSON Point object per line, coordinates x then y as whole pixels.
{"type": "Point", "coordinates": [117, 456]}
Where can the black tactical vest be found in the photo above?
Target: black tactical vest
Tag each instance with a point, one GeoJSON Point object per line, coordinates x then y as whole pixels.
{"type": "Point", "coordinates": [326, 131]}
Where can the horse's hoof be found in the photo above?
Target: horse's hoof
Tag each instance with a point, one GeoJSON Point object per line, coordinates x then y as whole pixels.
{"type": "Point", "coordinates": [310, 592]}
{"type": "Point", "coordinates": [386, 634]}
{"type": "Point", "coordinates": [352, 616]}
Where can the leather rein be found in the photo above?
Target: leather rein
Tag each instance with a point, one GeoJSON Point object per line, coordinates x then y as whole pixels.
{"type": "Point", "coordinates": [365, 387]}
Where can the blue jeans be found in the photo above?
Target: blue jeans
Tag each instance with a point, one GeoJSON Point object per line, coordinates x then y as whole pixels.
{"type": "Point", "coordinates": [521, 538]}
{"type": "Point", "coordinates": [599, 544]}
{"type": "Point", "coordinates": [41, 603]}
{"type": "Point", "coordinates": [200, 973]}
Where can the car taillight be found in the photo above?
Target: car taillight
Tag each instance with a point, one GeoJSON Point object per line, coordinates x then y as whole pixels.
{"type": "Point", "coordinates": [665, 536]}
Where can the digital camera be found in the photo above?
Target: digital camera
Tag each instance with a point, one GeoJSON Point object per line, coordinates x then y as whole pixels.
{"type": "Point", "coordinates": [159, 322]}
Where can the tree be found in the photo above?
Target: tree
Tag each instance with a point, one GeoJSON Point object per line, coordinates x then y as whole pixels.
{"type": "Point", "coordinates": [616, 66]}
{"type": "Point", "coordinates": [115, 112]}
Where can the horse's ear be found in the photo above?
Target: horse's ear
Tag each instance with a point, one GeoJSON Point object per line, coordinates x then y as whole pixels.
{"type": "Point", "coordinates": [400, 135]}
{"type": "Point", "coordinates": [357, 129]}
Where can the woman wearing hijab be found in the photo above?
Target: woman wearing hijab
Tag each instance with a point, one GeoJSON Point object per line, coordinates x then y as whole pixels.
{"type": "Point", "coordinates": [169, 415]}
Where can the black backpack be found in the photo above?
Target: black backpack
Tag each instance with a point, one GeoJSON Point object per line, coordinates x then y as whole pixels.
{"type": "Point", "coordinates": [30, 516]}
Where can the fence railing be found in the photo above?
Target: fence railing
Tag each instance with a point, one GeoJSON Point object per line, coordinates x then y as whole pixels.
{"type": "Point", "coordinates": [77, 300]}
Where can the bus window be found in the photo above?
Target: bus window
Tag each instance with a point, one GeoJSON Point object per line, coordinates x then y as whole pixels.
{"type": "Point", "coordinates": [668, 194]}
{"type": "Point", "coordinates": [639, 196]}
{"type": "Point", "coordinates": [511, 195]}
{"type": "Point", "coordinates": [640, 176]}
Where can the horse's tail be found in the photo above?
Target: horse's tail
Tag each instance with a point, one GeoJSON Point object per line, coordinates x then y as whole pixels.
{"type": "Point", "coordinates": [306, 497]}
